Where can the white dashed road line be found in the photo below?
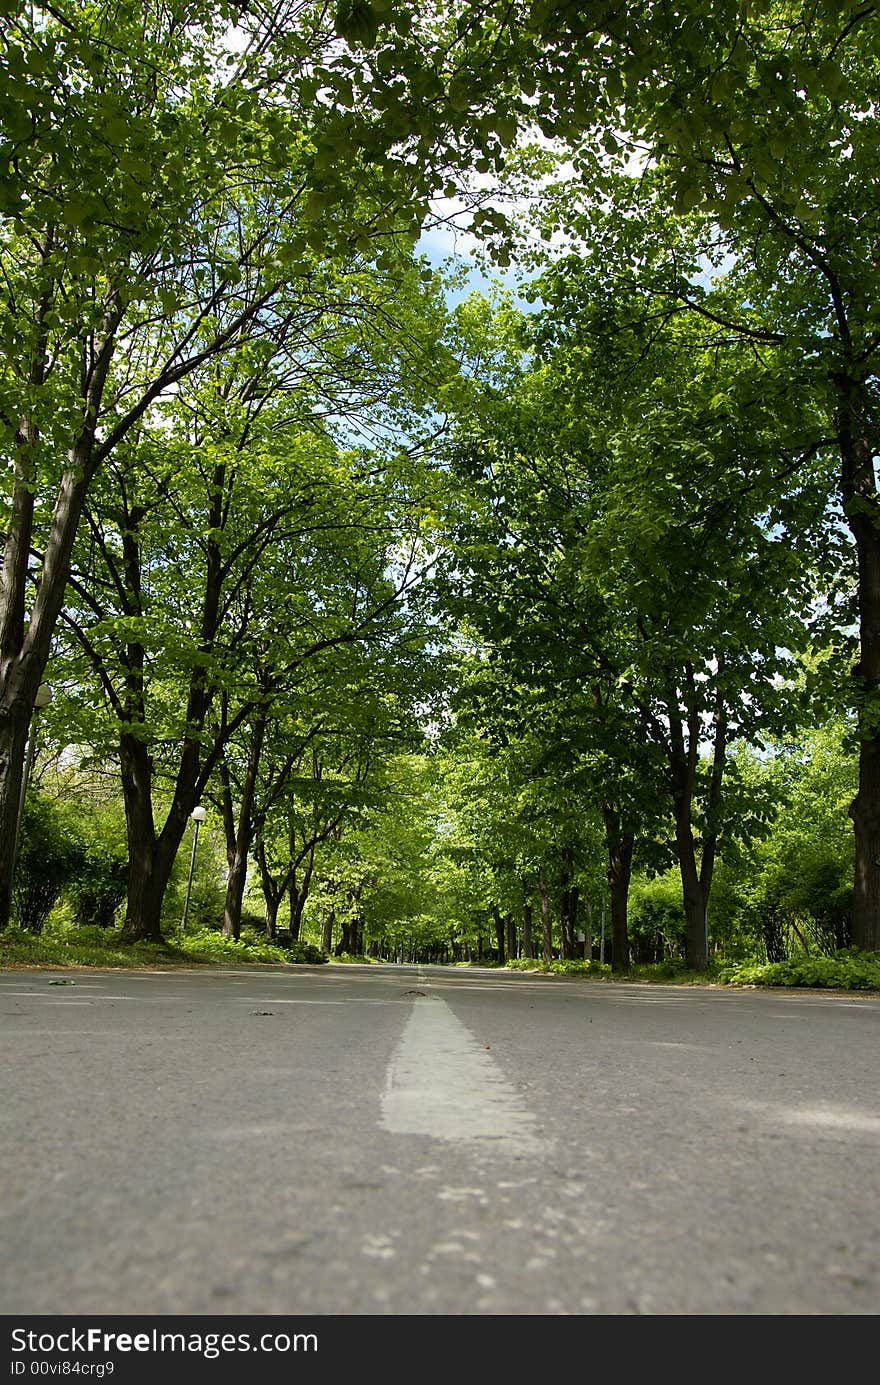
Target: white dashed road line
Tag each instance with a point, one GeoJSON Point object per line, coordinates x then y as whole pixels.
{"type": "Point", "coordinates": [443, 1082]}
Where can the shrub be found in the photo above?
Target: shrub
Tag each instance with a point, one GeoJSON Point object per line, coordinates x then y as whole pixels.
{"type": "Point", "coordinates": [558, 967]}
{"type": "Point", "coordinates": [99, 887]}
{"type": "Point", "coordinates": [847, 970]}
{"type": "Point", "coordinates": [306, 952]}
{"type": "Point", "coordinates": [668, 970]}
{"type": "Point", "coordinates": [656, 918]}
{"type": "Point", "coordinates": [50, 853]}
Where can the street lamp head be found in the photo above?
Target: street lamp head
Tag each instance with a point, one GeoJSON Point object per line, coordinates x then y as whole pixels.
{"type": "Point", "coordinates": [44, 696]}
{"type": "Point", "coordinates": [199, 814]}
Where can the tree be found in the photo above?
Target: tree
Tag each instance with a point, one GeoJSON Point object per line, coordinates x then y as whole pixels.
{"type": "Point", "coordinates": [615, 561]}
{"type": "Point", "coordinates": [230, 542]}
{"type": "Point", "coordinates": [166, 185]}
{"type": "Point", "coordinates": [754, 123]}
{"type": "Point", "coordinates": [792, 884]}
{"type": "Point", "coordinates": [50, 856]}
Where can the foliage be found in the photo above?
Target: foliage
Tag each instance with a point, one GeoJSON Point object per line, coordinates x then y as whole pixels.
{"type": "Point", "coordinates": [66, 945]}
{"type": "Point", "coordinates": [209, 946]}
{"type": "Point", "coordinates": [297, 950]}
{"type": "Point", "coordinates": [558, 967]}
{"type": "Point", "coordinates": [226, 396]}
{"type": "Point", "coordinates": [206, 893]}
{"type": "Point", "coordinates": [97, 889]}
{"type": "Point", "coordinates": [849, 969]}
{"type": "Point", "coordinates": [50, 856]}
{"type": "Point", "coordinates": [656, 919]}
{"type": "Point", "coordinates": [74, 947]}
{"type": "Point", "coordinates": [792, 880]}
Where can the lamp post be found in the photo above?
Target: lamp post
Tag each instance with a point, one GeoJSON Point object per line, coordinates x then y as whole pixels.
{"type": "Point", "coordinates": [42, 699]}
{"type": "Point", "coordinates": [198, 816]}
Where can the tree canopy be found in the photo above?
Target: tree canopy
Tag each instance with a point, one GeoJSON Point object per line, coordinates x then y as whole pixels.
{"type": "Point", "coordinates": [470, 619]}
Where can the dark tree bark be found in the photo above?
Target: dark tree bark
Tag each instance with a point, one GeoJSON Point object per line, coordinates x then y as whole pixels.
{"type": "Point", "coordinates": [568, 905]}
{"type": "Point", "coordinates": [498, 923]}
{"type": "Point", "coordinates": [711, 830]}
{"type": "Point", "coordinates": [683, 752]}
{"type": "Point", "coordinates": [271, 917]}
{"type": "Point", "coordinates": [237, 878]}
{"type": "Point", "coordinates": [151, 856]}
{"type": "Point", "coordinates": [546, 921]}
{"type": "Point", "coordinates": [273, 890]}
{"type": "Point", "coordinates": [588, 932]}
{"type": "Point", "coordinates": [773, 934]}
{"type": "Point", "coordinates": [619, 845]}
{"type": "Point", "coordinates": [300, 883]}
{"type": "Point", "coordinates": [25, 641]}
{"type": "Point", "coordinates": [527, 945]}
{"type": "Point", "coordinates": [858, 447]}
{"type": "Point", "coordinates": [327, 926]}
{"type": "Point", "coordinates": [510, 930]}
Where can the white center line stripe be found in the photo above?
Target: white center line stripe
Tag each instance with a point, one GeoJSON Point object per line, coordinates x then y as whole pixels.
{"type": "Point", "coordinates": [442, 1082]}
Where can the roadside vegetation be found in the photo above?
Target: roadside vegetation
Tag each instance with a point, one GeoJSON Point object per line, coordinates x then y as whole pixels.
{"type": "Point", "coordinates": [350, 615]}
{"type": "Point", "coordinates": [84, 947]}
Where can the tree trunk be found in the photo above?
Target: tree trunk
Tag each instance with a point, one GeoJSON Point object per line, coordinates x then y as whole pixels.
{"type": "Point", "coordinates": [235, 883]}
{"type": "Point", "coordinates": [237, 878]}
{"type": "Point", "coordinates": [527, 930]}
{"type": "Point", "coordinates": [150, 858]}
{"type": "Point", "coordinates": [499, 931]}
{"type": "Point", "coordinates": [24, 654]}
{"type": "Point", "coordinates": [510, 928]}
{"type": "Point", "coordinates": [299, 892]}
{"type": "Point", "coordinates": [348, 939]}
{"type": "Point", "coordinates": [565, 910]}
{"type": "Point", "coordinates": [588, 932]}
{"type": "Point", "coordinates": [25, 642]}
{"type": "Point", "coordinates": [574, 896]}
{"type": "Point", "coordinates": [297, 902]}
{"type": "Point", "coordinates": [692, 894]}
{"type": "Point", "coordinates": [773, 935]}
{"type": "Point", "coordinates": [619, 845]}
{"type": "Point", "coordinates": [860, 503]}
{"type": "Point", "coordinates": [271, 916]}
{"type": "Point", "coordinates": [683, 769]}
{"type": "Point", "coordinates": [15, 720]}
{"type": "Point", "coordinates": [546, 921]}
{"type": "Point", "coordinates": [713, 805]}
{"type": "Point", "coordinates": [327, 930]}
{"type": "Point", "coordinates": [227, 811]}
{"type": "Point", "coordinates": [271, 892]}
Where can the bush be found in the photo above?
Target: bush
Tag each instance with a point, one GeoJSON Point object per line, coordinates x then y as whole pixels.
{"type": "Point", "coordinates": [669, 970]}
{"type": "Point", "coordinates": [50, 853]}
{"type": "Point", "coordinates": [298, 950]}
{"type": "Point", "coordinates": [847, 970]}
{"type": "Point", "coordinates": [99, 887]}
{"type": "Point", "coordinates": [208, 945]}
{"type": "Point", "coordinates": [558, 967]}
{"type": "Point", "coordinates": [656, 923]}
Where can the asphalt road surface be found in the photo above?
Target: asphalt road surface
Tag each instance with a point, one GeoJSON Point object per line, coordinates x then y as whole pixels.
{"type": "Point", "coordinates": [388, 1140]}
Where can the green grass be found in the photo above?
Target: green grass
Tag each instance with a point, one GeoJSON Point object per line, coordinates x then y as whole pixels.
{"type": "Point", "coordinates": [848, 970]}
{"type": "Point", "coordinates": [97, 947]}
{"type": "Point", "coordinates": [64, 946]}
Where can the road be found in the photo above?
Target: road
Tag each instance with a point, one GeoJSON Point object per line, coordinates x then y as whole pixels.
{"type": "Point", "coordinates": [426, 1141]}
